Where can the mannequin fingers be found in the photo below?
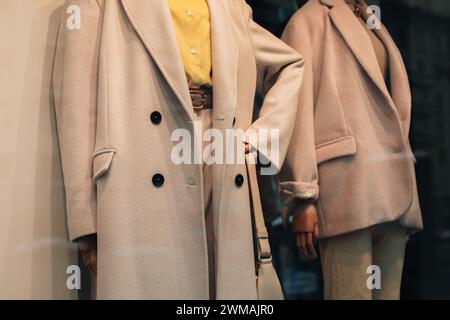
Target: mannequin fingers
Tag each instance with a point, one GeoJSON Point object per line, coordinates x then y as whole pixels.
{"type": "Point", "coordinates": [309, 239]}
{"type": "Point", "coordinates": [297, 240]}
{"type": "Point", "coordinates": [298, 237]}
{"type": "Point", "coordinates": [90, 260]}
{"type": "Point", "coordinates": [316, 232]}
{"type": "Point", "coordinates": [302, 247]}
{"type": "Point", "coordinates": [312, 254]}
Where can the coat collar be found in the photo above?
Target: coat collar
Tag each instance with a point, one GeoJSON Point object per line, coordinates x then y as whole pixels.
{"type": "Point", "coordinates": [358, 41]}
{"type": "Point", "coordinates": [153, 23]}
{"type": "Point", "coordinates": [400, 89]}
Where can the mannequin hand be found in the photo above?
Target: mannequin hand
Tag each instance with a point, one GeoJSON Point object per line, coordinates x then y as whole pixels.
{"type": "Point", "coordinates": [248, 148]}
{"type": "Point", "coordinates": [306, 229]}
{"type": "Point", "coordinates": [88, 249]}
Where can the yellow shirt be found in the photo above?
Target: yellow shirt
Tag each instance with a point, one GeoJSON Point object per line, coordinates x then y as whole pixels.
{"type": "Point", "coordinates": [193, 28]}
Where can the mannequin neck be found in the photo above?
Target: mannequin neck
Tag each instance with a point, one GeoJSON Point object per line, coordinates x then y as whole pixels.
{"type": "Point", "coordinates": [359, 8]}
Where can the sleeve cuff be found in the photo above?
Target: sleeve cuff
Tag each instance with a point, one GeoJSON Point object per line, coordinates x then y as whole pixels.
{"type": "Point", "coordinates": [77, 231]}
{"type": "Point", "coordinates": [293, 194]}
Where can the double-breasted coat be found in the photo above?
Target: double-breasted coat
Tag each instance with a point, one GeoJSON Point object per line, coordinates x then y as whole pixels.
{"type": "Point", "coordinates": [120, 92]}
{"type": "Point", "coordinates": [350, 150]}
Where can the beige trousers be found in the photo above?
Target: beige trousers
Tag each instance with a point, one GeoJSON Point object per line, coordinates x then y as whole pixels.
{"type": "Point", "coordinates": [206, 117]}
{"type": "Point", "coordinates": [346, 259]}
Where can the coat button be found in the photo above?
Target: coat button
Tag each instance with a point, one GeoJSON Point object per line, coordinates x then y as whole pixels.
{"type": "Point", "coordinates": [239, 180]}
{"type": "Point", "coordinates": [158, 180]}
{"type": "Point", "coordinates": [156, 118]}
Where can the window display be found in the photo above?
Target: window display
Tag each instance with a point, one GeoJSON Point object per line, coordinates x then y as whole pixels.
{"type": "Point", "coordinates": [224, 150]}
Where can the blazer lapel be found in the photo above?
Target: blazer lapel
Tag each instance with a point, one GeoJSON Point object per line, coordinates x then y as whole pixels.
{"type": "Point", "coordinates": [400, 89]}
{"type": "Point", "coordinates": [358, 41]}
{"type": "Point", "coordinates": [153, 23]}
{"type": "Point", "coordinates": [224, 64]}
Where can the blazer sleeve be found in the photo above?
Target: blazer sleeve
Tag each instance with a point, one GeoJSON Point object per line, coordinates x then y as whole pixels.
{"type": "Point", "coordinates": [279, 78]}
{"type": "Point", "coordinates": [299, 177]}
{"type": "Point", "coordinates": [75, 76]}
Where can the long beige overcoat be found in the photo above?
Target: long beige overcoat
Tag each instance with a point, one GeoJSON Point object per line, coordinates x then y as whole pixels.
{"type": "Point", "coordinates": [350, 149]}
{"type": "Point", "coordinates": [120, 92]}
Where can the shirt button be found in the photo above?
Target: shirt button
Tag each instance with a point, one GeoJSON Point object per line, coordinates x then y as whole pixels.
{"type": "Point", "coordinates": [189, 13]}
{"type": "Point", "coordinates": [194, 51]}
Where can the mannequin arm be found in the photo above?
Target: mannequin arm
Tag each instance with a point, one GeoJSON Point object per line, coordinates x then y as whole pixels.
{"type": "Point", "coordinates": [75, 76]}
{"type": "Point", "coordinates": [306, 229]}
{"type": "Point", "coordinates": [279, 76]}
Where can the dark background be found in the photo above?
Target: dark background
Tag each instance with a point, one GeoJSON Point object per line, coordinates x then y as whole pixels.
{"type": "Point", "coordinates": [420, 29]}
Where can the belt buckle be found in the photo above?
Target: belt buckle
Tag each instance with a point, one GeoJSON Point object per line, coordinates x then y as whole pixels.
{"type": "Point", "coordinates": [198, 101]}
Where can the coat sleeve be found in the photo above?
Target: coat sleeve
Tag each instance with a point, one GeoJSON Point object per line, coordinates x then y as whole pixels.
{"type": "Point", "coordinates": [279, 78]}
{"type": "Point", "coordinates": [75, 76]}
{"type": "Point", "coordinates": [299, 177]}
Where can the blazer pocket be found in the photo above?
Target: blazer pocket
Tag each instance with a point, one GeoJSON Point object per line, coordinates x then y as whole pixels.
{"type": "Point", "coordinates": [341, 147]}
{"type": "Point", "coordinates": [101, 162]}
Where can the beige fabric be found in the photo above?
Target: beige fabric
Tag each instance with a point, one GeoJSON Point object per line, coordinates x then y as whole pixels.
{"type": "Point", "coordinates": [378, 45]}
{"type": "Point", "coordinates": [110, 75]}
{"type": "Point", "coordinates": [345, 260]}
{"type": "Point", "coordinates": [351, 137]}
{"type": "Point", "coordinates": [206, 118]}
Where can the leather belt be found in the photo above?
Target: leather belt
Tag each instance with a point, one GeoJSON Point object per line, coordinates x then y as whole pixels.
{"type": "Point", "coordinates": [202, 98]}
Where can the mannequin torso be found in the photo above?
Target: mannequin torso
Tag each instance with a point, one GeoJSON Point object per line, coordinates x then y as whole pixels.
{"type": "Point", "coordinates": [305, 222]}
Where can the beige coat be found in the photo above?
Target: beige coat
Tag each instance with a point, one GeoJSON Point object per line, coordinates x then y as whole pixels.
{"type": "Point", "coordinates": [110, 76]}
{"type": "Point", "coordinates": [351, 136]}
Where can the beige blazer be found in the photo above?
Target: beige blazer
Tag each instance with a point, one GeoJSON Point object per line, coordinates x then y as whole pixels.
{"type": "Point", "coordinates": [120, 92]}
{"type": "Point", "coordinates": [351, 136]}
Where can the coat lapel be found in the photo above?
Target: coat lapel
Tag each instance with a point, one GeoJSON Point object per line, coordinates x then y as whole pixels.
{"type": "Point", "coordinates": [400, 89]}
{"type": "Point", "coordinates": [224, 69]}
{"type": "Point", "coordinates": [224, 64]}
{"type": "Point", "coordinates": [358, 41]}
{"type": "Point", "coordinates": [152, 21]}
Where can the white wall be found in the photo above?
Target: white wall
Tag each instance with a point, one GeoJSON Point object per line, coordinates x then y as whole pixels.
{"type": "Point", "coordinates": [34, 251]}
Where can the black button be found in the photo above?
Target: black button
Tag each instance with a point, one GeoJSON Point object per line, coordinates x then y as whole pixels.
{"type": "Point", "coordinates": [239, 180]}
{"type": "Point", "coordinates": [158, 180]}
{"type": "Point", "coordinates": [156, 118]}
{"type": "Point", "coordinates": [234, 121]}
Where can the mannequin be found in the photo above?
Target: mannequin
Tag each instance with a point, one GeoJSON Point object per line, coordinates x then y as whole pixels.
{"type": "Point", "coordinates": [305, 221]}
{"type": "Point", "coordinates": [135, 73]}
{"type": "Point", "coordinates": [356, 226]}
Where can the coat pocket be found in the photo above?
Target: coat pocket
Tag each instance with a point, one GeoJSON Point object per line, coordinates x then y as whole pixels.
{"type": "Point", "coordinates": [101, 162]}
{"type": "Point", "coordinates": [341, 147]}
